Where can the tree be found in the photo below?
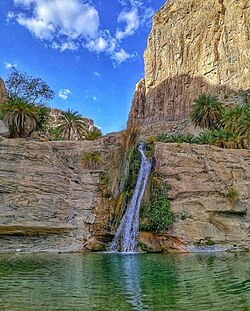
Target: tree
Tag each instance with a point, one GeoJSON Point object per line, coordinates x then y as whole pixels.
{"type": "Point", "coordinates": [92, 133]}
{"type": "Point", "coordinates": [244, 127]}
{"type": "Point", "coordinates": [72, 124]}
{"type": "Point", "coordinates": [207, 112]}
{"type": "Point", "coordinates": [29, 89]}
{"type": "Point", "coordinates": [20, 116]}
{"type": "Point", "coordinates": [233, 116]}
{"type": "Point", "coordinates": [43, 118]}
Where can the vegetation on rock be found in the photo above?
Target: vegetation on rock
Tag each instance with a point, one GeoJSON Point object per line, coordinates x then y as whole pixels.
{"type": "Point", "coordinates": [207, 112]}
{"type": "Point", "coordinates": [91, 160]}
{"type": "Point", "coordinates": [233, 195]}
{"type": "Point", "coordinates": [155, 214]}
{"type": "Point", "coordinates": [25, 111]}
{"type": "Point", "coordinates": [225, 126]}
{"type": "Point", "coordinates": [123, 168]}
{"type": "Point", "coordinates": [21, 117]}
{"type": "Point", "coordinates": [92, 133]}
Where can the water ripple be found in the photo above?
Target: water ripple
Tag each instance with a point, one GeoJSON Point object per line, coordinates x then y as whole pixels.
{"type": "Point", "coordinates": [106, 282]}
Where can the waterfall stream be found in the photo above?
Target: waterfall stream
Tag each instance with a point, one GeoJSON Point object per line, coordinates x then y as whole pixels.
{"type": "Point", "coordinates": [127, 232]}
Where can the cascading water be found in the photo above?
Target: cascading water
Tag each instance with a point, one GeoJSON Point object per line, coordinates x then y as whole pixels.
{"type": "Point", "coordinates": [127, 232]}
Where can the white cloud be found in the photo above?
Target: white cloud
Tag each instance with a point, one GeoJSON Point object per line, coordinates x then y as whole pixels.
{"type": "Point", "coordinates": [120, 56]}
{"type": "Point", "coordinates": [64, 93]}
{"type": "Point", "coordinates": [59, 19]}
{"type": "Point", "coordinates": [131, 19]}
{"type": "Point", "coordinates": [9, 65]}
{"type": "Point", "coordinates": [97, 74]}
{"type": "Point", "coordinates": [104, 42]}
{"type": "Point", "coordinates": [10, 16]}
{"type": "Point", "coordinates": [144, 13]}
{"type": "Point", "coordinates": [69, 25]}
{"type": "Point", "coordinates": [94, 98]}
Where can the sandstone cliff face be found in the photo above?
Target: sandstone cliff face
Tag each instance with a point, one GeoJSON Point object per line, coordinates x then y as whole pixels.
{"type": "Point", "coordinates": [2, 91]}
{"type": "Point", "coordinates": [197, 46]}
{"type": "Point", "coordinates": [48, 201]}
{"type": "Point", "coordinates": [200, 178]}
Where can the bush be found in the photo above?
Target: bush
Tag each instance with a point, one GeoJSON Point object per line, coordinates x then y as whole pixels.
{"type": "Point", "coordinates": [205, 138]}
{"type": "Point", "coordinates": [175, 138]}
{"type": "Point", "coordinates": [91, 160]}
{"type": "Point", "coordinates": [156, 216]}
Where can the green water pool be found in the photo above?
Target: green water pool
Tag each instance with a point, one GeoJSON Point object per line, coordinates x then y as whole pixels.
{"type": "Point", "coordinates": [193, 282]}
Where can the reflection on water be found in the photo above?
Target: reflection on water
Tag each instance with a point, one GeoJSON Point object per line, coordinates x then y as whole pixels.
{"type": "Point", "coordinates": [195, 282]}
{"type": "Point", "coordinates": [131, 280]}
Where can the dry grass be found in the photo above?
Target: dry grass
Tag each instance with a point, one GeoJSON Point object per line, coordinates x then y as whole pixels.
{"type": "Point", "coordinates": [118, 160]}
{"type": "Point", "coordinates": [91, 160]}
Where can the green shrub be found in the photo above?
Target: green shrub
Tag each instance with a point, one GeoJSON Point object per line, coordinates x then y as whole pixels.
{"type": "Point", "coordinates": [161, 138]}
{"type": "Point", "coordinates": [175, 138]}
{"type": "Point", "coordinates": [205, 138]}
{"type": "Point", "coordinates": [156, 216]}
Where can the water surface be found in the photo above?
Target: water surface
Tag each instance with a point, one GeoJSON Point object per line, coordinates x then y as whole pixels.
{"type": "Point", "coordinates": [193, 282]}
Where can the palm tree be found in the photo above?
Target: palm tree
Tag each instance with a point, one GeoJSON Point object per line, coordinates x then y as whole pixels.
{"type": "Point", "coordinates": [20, 116]}
{"type": "Point", "coordinates": [233, 116]}
{"type": "Point", "coordinates": [226, 139]}
{"type": "Point", "coordinates": [92, 133]}
{"type": "Point", "coordinates": [207, 112]}
{"type": "Point", "coordinates": [72, 124]}
{"type": "Point", "coordinates": [244, 127]}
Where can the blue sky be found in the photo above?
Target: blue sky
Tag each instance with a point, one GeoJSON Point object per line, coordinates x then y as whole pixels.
{"type": "Point", "coordinates": [89, 52]}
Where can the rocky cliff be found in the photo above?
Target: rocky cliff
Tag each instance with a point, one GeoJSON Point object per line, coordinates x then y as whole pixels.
{"type": "Point", "coordinates": [195, 46]}
{"type": "Point", "coordinates": [2, 91]}
{"type": "Point", "coordinates": [48, 201]}
{"type": "Point", "coordinates": [200, 179]}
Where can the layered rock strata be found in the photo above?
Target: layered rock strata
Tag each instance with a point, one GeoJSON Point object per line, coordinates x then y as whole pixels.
{"type": "Point", "coordinates": [194, 47]}
{"type": "Point", "coordinates": [205, 216]}
{"type": "Point", "coordinates": [2, 91]}
{"type": "Point", "coordinates": [48, 201]}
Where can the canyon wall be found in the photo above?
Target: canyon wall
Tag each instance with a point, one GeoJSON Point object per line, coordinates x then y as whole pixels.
{"type": "Point", "coordinates": [48, 201]}
{"type": "Point", "coordinates": [2, 91]}
{"type": "Point", "coordinates": [205, 216]}
{"type": "Point", "coordinates": [195, 47]}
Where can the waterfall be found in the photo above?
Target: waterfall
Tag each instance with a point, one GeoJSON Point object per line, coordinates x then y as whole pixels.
{"type": "Point", "coordinates": [127, 232]}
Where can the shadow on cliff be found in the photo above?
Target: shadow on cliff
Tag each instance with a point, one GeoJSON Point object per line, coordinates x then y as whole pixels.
{"type": "Point", "coordinates": [172, 99]}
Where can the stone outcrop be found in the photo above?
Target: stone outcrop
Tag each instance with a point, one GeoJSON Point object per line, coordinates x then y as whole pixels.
{"type": "Point", "coordinates": [2, 91]}
{"type": "Point", "coordinates": [200, 178]}
{"type": "Point", "coordinates": [48, 201]}
{"type": "Point", "coordinates": [195, 47]}
{"type": "Point", "coordinates": [4, 129]}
